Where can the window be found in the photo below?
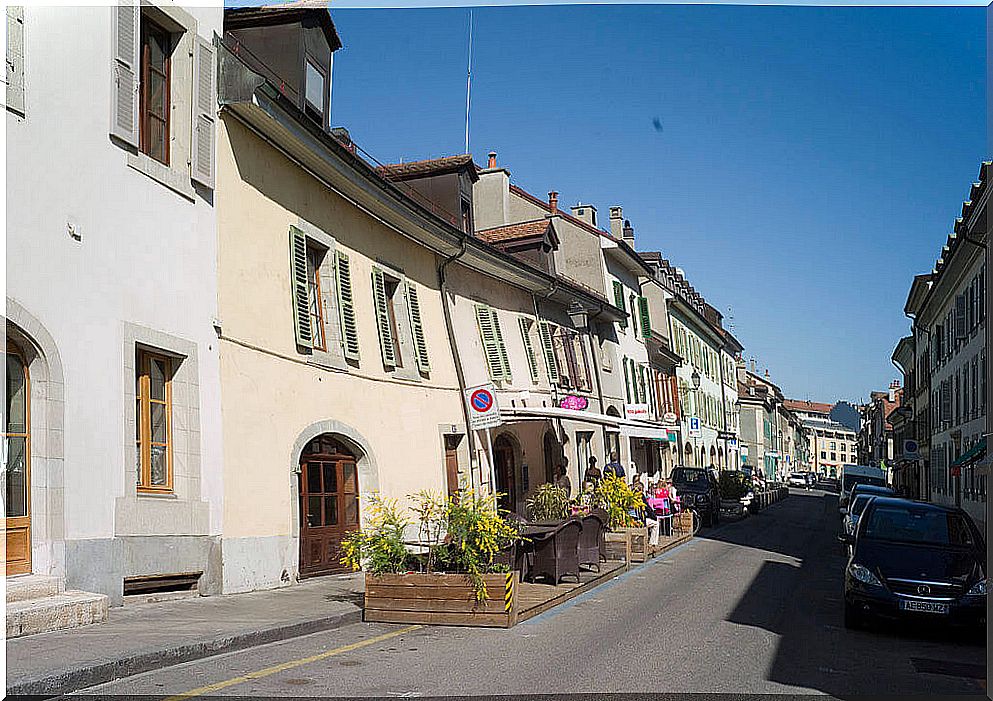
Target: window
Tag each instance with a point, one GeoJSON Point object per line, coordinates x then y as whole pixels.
{"type": "Point", "coordinates": [466, 216]}
{"type": "Point", "coordinates": [982, 382]}
{"type": "Point", "coordinates": [154, 105]}
{"type": "Point", "coordinates": [316, 306]}
{"type": "Point", "coordinates": [315, 90]}
{"type": "Point", "coordinates": [525, 325]}
{"type": "Point", "coordinates": [823, 455]}
{"type": "Point", "coordinates": [390, 286]}
{"type": "Point", "coordinates": [494, 349]}
{"type": "Point", "coordinates": [834, 457]}
{"type": "Point", "coordinates": [975, 385]}
{"type": "Point", "coordinates": [571, 360]}
{"type": "Point", "coordinates": [634, 313]}
{"type": "Point", "coordinates": [153, 425]}
{"type": "Point", "coordinates": [833, 446]}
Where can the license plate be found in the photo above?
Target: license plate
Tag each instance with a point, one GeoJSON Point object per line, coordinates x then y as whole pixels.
{"type": "Point", "coordinates": [924, 606]}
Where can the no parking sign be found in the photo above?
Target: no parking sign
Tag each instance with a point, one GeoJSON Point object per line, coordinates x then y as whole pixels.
{"type": "Point", "coordinates": [484, 412]}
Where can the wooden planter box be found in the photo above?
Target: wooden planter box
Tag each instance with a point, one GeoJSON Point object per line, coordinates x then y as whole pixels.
{"type": "Point", "coordinates": [441, 599]}
{"type": "Point", "coordinates": [628, 544]}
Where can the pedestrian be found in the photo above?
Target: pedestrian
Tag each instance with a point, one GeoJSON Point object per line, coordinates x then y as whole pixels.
{"type": "Point", "coordinates": [636, 483]}
{"type": "Point", "coordinates": [614, 467]}
{"type": "Point", "coordinates": [562, 480]}
{"type": "Point", "coordinates": [592, 474]}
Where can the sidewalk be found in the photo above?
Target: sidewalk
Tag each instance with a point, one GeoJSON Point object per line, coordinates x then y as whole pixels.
{"type": "Point", "coordinates": [141, 637]}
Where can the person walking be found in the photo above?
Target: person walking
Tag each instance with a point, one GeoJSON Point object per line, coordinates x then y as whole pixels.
{"type": "Point", "coordinates": [592, 474]}
{"type": "Point", "coordinates": [614, 467]}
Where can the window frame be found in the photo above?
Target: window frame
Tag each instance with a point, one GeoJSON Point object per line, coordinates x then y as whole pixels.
{"type": "Point", "coordinates": [144, 146]}
{"type": "Point", "coordinates": [143, 418]}
{"type": "Point", "coordinates": [315, 293]}
{"type": "Point", "coordinates": [309, 106]}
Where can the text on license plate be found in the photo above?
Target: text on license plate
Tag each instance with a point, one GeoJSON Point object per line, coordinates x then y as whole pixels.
{"type": "Point", "coordinates": [924, 606]}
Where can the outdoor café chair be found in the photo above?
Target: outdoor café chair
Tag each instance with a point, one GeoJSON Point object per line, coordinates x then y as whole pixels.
{"type": "Point", "coordinates": [591, 540]}
{"type": "Point", "coordinates": [556, 553]}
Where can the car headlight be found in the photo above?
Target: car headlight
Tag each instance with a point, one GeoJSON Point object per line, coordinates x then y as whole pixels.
{"type": "Point", "coordinates": [702, 498]}
{"type": "Point", "coordinates": [863, 575]}
{"type": "Point", "coordinates": [978, 589]}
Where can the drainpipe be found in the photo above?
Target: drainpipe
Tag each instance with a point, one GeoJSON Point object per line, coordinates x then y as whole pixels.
{"type": "Point", "coordinates": [443, 284]}
{"type": "Point", "coordinates": [599, 387]}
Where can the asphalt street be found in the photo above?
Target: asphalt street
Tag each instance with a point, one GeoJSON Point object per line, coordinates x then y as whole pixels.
{"type": "Point", "coordinates": [753, 606]}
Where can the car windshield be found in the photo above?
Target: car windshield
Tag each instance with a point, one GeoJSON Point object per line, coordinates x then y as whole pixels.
{"type": "Point", "coordinates": [689, 476]}
{"type": "Point", "coordinates": [918, 525]}
{"type": "Point", "coordinates": [798, 475]}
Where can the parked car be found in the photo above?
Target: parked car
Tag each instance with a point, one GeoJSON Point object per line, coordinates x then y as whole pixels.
{"type": "Point", "coordinates": [873, 489]}
{"type": "Point", "coordinates": [913, 560]}
{"type": "Point", "coordinates": [828, 484]}
{"type": "Point", "coordinates": [851, 520]}
{"type": "Point", "coordinates": [798, 479]}
{"type": "Point", "coordinates": [697, 487]}
{"type": "Point", "coordinates": [853, 475]}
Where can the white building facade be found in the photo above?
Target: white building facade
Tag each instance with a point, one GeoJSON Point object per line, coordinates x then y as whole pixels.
{"type": "Point", "coordinates": [114, 432]}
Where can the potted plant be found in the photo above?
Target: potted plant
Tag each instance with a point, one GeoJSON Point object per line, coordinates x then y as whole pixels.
{"type": "Point", "coordinates": [457, 579]}
{"type": "Point", "coordinates": [548, 503]}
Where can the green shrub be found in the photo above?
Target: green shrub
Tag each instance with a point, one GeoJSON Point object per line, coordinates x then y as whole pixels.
{"type": "Point", "coordinates": [549, 503]}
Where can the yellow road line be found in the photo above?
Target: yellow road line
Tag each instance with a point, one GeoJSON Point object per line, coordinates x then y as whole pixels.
{"type": "Point", "coordinates": [276, 669]}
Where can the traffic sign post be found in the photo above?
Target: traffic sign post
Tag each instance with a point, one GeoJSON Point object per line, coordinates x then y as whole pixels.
{"type": "Point", "coordinates": [484, 414]}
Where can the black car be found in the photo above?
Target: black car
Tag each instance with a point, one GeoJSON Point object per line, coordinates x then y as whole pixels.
{"type": "Point", "coordinates": [698, 487]}
{"type": "Point", "coordinates": [912, 560]}
{"type": "Point", "coordinates": [866, 488]}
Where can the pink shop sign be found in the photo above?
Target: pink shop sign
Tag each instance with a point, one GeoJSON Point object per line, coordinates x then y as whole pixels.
{"type": "Point", "coordinates": [573, 402]}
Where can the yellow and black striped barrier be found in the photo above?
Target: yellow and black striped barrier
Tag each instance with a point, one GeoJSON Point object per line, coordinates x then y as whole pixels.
{"type": "Point", "coordinates": [508, 596]}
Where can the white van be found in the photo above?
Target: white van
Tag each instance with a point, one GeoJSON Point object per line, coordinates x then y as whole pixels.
{"type": "Point", "coordinates": [858, 474]}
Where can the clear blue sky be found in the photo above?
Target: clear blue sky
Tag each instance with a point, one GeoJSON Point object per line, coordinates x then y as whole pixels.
{"type": "Point", "coordinates": [810, 160]}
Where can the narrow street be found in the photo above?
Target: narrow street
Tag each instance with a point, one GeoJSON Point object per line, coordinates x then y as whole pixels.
{"type": "Point", "coordinates": [753, 606]}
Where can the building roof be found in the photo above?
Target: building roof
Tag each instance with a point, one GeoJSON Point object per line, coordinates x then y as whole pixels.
{"type": "Point", "coordinates": [515, 232]}
{"type": "Point", "coordinates": [808, 406]}
{"type": "Point", "coordinates": [284, 13]}
{"type": "Point", "coordinates": [429, 166]}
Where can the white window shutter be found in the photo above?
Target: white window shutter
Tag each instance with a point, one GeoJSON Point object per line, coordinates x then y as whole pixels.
{"type": "Point", "coordinates": [346, 307]}
{"type": "Point", "coordinates": [15, 58]}
{"type": "Point", "coordinates": [381, 302]}
{"type": "Point", "coordinates": [125, 66]}
{"type": "Point", "coordinates": [417, 329]}
{"type": "Point", "coordinates": [204, 110]}
{"type": "Point", "coordinates": [300, 288]}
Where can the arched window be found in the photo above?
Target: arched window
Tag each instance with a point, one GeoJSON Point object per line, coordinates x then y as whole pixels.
{"type": "Point", "coordinates": [17, 487]}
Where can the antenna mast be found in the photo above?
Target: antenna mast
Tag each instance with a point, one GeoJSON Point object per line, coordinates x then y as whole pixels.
{"type": "Point", "coordinates": [468, 84]}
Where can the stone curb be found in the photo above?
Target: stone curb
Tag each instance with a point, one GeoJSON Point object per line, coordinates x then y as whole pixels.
{"type": "Point", "coordinates": [66, 681]}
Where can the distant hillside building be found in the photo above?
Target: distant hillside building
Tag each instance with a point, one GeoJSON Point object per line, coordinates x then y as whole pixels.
{"type": "Point", "coordinates": [832, 444]}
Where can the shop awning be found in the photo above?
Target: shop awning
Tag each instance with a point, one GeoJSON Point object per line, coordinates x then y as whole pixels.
{"type": "Point", "coordinates": [975, 453]}
{"type": "Point", "coordinates": [640, 431]}
{"type": "Point", "coordinates": [538, 413]}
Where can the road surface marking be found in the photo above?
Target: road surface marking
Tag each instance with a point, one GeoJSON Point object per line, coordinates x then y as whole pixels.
{"type": "Point", "coordinates": [276, 669]}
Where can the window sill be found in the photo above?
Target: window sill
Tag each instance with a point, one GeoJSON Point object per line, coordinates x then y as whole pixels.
{"type": "Point", "coordinates": [173, 179]}
{"type": "Point", "coordinates": [156, 494]}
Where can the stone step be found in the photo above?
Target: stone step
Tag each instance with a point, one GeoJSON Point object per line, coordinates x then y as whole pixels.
{"type": "Point", "coordinates": [69, 609]}
{"type": "Point", "coordinates": [33, 586]}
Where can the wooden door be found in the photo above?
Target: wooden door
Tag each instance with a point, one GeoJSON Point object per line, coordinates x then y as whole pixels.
{"type": "Point", "coordinates": [329, 507]}
{"type": "Point", "coordinates": [503, 457]}
{"type": "Point", "coordinates": [17, 482]}
{"type": "Point", "coordinates": [452, 464]}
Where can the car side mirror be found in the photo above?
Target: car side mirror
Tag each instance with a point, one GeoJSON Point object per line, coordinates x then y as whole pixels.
{"type": "Point", "coordinates": [846, 538]}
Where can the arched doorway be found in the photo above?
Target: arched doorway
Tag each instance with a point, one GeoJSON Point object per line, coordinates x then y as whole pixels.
{"type": "Point", "coordinates": [713, 457]}
{"type": "Point", "coordinates": [688, 450]}
{"type": "Point", "coordinates": [553, 454]}
{"type": "Point", "coordinates": [703, 457]}
{"type": "Point", "coordinates": [17, 488]}
{"type": "Point", "coordinates": [505, 466]}
{"type": "Point", "coordinates": [329, 504]}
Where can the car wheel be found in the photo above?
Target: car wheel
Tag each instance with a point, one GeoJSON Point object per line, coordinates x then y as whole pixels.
{"type": "Point", "coordinates": [853, 619]}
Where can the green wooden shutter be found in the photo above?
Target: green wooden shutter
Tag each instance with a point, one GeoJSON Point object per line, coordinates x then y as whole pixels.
{"type": "Point", "coordinates": [487, 334]}
{"type": "Point", "coordinates": [504, 358]}
{"type": "Point", "coordinates": [417, 328]}
{"type": "Point", "coordinates": [646, 321]}
{"type": "Point", "coordinates": [627, 381]}
{"type": "Point", "coordinates": [619, 300]}
{"type": "Point", "coordinates": [549, 351]}
{"type": "Point", "coordinates": [383, 318]}
{"type": "Point", "coordinates": [346, 306]}
{"type": "Point", "coordinates": [525, 324]}
{"type": "Point", "coordinates": [300, 288]}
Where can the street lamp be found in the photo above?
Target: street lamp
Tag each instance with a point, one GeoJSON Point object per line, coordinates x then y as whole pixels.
{"type": "Point", "coordinates": [695, 378]}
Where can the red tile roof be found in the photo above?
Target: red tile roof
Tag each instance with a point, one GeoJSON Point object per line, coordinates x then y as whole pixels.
{"type": "Point", "coordinates": [431, 166]}
{"type": "Point", "coordinates": [810, 407]}
{"type": "Point", "coordinates": [513, 232]}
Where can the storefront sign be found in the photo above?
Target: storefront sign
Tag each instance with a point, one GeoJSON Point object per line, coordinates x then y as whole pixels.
{"type": "Point", "coordinates": [636, 411]}
{"type": "Point", "coordinates": [669, 418]}
{"type": "Point", "coordinates": [672, 436]}
{"type": "Point", "coordinates": [573, 402]}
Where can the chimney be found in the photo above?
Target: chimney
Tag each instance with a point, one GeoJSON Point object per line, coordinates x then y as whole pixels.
{"type": "Point", "coordinates": [752, 364]}
{"type": "Point", "coordinates": [491, 162]}
{"type": "Point", "coordinates": [585, 212]}
{"type": "Point", "coordinates": [616, 222]}
{"type": "Point", "coordinates": [344, 138]}
{"type": "Point", "coordinates": [553, 201]}
{"type": "Point", "coordinates": [628, 233]}
{"type": "Point", "coordinates": [767, 374]}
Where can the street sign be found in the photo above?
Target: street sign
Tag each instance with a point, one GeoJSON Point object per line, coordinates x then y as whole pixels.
{"type": "Point", "coordinates": [911, 450]}
{"type": "Point", "coordinates": [484, 412]}
{"type": "Point", "coordinates": [669, 418]}
{"type": "Point", "coordinates": [695, 430]}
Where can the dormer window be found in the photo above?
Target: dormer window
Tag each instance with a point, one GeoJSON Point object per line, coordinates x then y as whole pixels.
{"type": "Point", "coordinates": [316, 90]}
